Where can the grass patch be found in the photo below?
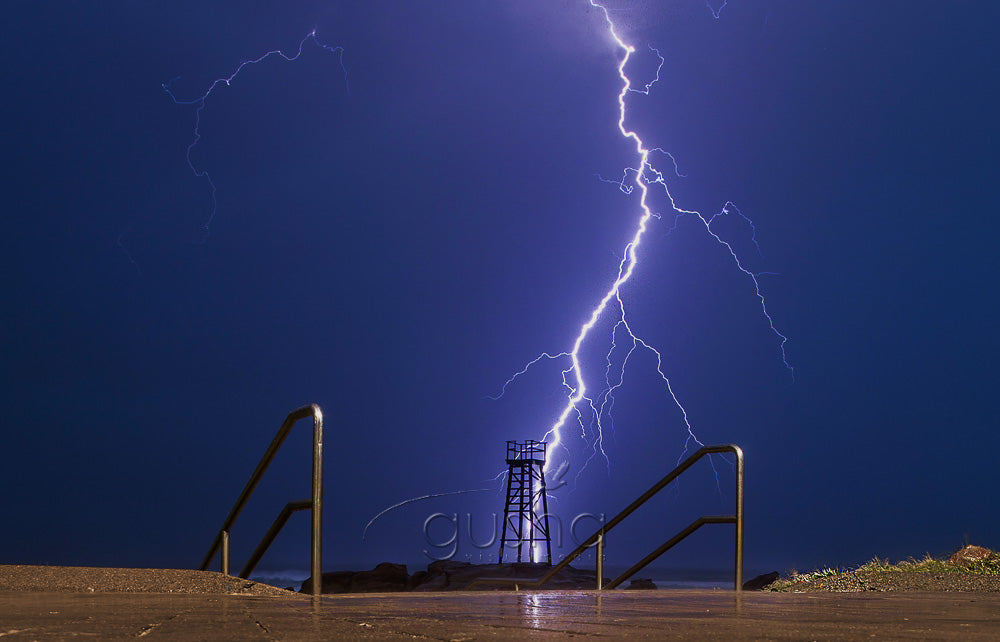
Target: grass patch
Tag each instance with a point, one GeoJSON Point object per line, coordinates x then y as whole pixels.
{"type": "Point", "coordinates": [986, 565]}
{"type": "Point", "coordinates": [794, 578]}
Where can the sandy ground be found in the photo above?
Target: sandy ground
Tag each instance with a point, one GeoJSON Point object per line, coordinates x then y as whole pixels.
{"type": "Point", "coordinates": [81, 579]}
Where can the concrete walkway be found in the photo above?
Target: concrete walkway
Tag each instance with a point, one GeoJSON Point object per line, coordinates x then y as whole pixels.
{"type": "Point", "coordinates": [472, 616]}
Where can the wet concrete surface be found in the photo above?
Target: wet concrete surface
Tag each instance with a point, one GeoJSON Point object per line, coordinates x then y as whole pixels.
{"type": "Point", "coordinates": [472, 616]}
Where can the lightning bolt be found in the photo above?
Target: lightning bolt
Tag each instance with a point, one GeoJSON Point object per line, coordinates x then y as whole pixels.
{"type": "Point", "coordinates": [643, 177]}
{"type": "Point", "coordinates": [716, 12]}
{"type": "Point", "coordinates": [227, 81]}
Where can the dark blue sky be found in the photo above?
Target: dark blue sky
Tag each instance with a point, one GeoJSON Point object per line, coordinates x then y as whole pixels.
{"type": "Point", "coordinates": [395, 252]}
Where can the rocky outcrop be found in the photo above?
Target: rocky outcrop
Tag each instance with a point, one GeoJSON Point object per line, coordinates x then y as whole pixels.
{"type": "Point", "coordinates": [641, 584]}
{"type": "Point", "coordinates": [447, 575]}
{"type": "Point", "coordinates": [417, 579]}
{"type": "Point", "coordinates": [970, 554]}
{"type": "Point", "coordinates": [758, 583]}
{"type": "Point", "coordinates": [384, 578]}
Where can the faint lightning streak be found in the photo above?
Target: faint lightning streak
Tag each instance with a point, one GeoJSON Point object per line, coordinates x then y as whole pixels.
{"type": "Point", "coordinates": [544, 355]}
{"type": "Point", "coordinates": [364, 533]}
{"type": "Point", "coordinates": [725, 211]}
{"type": "Point", "coordinates": [608, 396]}
{"type": "Point", "coordinates": [707, 222]}
{"type": "Point", "coordinates": [227, 80]}
{"type": "Point", "coordinates": [677, 171]}
{"type": "Point", "coordinates": [625, 188]}
{"type": "Point", "coordinates": [645, 90]}
{"type": "Point", "coordinates": [120, 242]}
{"type": "Point", "coordinates": [716, 12]}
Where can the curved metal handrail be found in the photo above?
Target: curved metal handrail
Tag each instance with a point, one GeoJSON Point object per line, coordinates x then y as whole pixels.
{"type": "Point", "coordinates": [598, 537]}
{"type": "Point", "coordinates": [316, 504]}
{"type": "Point", "coordinates": [272, 533]}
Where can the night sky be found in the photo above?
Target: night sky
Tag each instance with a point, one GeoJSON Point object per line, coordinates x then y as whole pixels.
{"type": "Point", "coordinates": [396, 246]}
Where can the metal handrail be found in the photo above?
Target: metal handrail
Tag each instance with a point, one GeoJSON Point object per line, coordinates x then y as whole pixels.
{"type": "Point", "coordinates": [673, 541]}
{"type": "Point", "coordinates": [316, 503]}
{"type": "Point", "coordinates": [272, 533]}
{"type": "Point", "coordinates": [598, 537]}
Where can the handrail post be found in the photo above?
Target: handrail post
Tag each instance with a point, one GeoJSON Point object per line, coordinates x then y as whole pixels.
{"type": "Point", "coordinates": [225, 552]}
{"type": "Point", "coordinates": [600, 558]}
{"type": "Point", "coordinates": [739, 518]}
{"type": "Point", "coordinates": [316, 558]}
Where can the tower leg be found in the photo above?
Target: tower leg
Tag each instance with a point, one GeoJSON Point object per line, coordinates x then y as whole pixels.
{"type": "Point", "coordinates": [545, 518]}
{"type": "Point", "coordinates": [506, 514]}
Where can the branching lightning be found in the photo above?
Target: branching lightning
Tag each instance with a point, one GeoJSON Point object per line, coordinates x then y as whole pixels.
{"type": "Point", "coordinates": [643, 177]}
{"type": "Point", "coordinates": [227, 80]}
{"type": "Point", "coordinates": [581, 404]}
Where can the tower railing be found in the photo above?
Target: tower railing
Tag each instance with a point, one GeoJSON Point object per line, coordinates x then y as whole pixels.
{"type": "Point", "coordinates": [221, 540]}
{"type": "Point", "coordinates": [598, 538]}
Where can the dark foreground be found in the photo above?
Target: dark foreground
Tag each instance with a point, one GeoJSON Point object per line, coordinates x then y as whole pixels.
{"type": "Point", "coordinates": [471, 616]}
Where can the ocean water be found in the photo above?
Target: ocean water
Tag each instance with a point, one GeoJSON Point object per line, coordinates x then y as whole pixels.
{"type": "Point", "coordinates": [288, 578]}
{"type": "Point", "coordinates": [703, 585]}
{"type": "Point", "coordinates": [689, 579]}
{"type": "Point", "coordinates": [695, 578]}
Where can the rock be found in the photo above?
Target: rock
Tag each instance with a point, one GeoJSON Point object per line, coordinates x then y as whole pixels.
{"type": "Point", "coordinates": [447, 575]}
{"type": "Point", "coordinates": [384, 578]}
{"type": "Point", "coordinates": [417, 579]}
{"type": "Point", "coordinates": [332, 582]}
{"type": "Point", "coordinates": [456, 576]}
{"type": "Point", "coordinates": [968, 554]}
{"type": "Point", "coordinates": [444, 567]}
{"type": "Point", "coordinates": [440, 573]}
{"type": "Point", "coordinates": [758, 583]}
{"type": "Point", "coordinates": [641, 584]}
